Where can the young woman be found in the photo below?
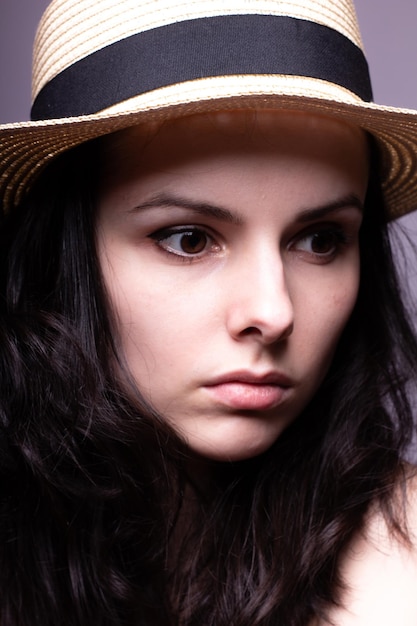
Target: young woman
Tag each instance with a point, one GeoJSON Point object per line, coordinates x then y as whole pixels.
{"type": "Point", "coordinates": [206, 364]}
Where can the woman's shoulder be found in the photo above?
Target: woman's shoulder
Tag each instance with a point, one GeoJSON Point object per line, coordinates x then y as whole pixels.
{"type": "Point", "coordinates": [379, 568]}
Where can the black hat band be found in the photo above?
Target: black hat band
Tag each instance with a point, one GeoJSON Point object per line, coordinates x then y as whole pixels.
{"type": "Point", "coordinates": [200, 48]}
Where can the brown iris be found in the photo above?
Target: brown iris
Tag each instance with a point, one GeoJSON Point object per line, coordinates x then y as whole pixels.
{"type": "Point", "coordinates": [193, 242]}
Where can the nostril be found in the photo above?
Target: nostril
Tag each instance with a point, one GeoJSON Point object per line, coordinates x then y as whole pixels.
{"type": "Point", "coordinates": [251, 330]}
{"type": "Point", "coordinates": [268, 335]}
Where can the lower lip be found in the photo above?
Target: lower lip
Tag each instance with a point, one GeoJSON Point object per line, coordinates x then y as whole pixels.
{"type": "Point", "coordinates": [248, 396]}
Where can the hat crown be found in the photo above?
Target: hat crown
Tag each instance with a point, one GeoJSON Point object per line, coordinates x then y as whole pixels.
{"type": "Point", "coordinates": [71, 30]}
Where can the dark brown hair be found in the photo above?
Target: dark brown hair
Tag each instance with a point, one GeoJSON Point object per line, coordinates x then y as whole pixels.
{"type": "Point", "coordinates": [92, 489]}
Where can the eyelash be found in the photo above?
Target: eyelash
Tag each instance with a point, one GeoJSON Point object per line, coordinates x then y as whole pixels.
{"type": "Point", "coordinates": [339, 235]}
{"type": "Point", "coordinates": [165, 233]}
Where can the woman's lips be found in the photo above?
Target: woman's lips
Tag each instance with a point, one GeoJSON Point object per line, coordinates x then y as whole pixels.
{"type": "Point", "coordinates": [249, 392]}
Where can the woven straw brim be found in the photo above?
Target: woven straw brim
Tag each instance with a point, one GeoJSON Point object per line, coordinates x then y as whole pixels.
{"type": "Point", "coordinates": [26, 148]}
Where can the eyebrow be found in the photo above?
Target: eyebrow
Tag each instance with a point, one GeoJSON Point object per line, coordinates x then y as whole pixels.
{"type": "Point", "coordinates": [349, 201]}
{"type": "Point", "coordinates": [225, 215]}
{"type": "Point", "coordinates": [203, 208]}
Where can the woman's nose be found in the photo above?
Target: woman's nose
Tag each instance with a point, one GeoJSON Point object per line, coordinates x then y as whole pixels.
{"type": "Point", "coordinates": [260, 305]}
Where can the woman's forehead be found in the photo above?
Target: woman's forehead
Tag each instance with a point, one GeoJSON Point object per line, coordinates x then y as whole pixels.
{"type": "Point", "coordinates": [235, 159]}
{"type": "Point", "coordinates": [236, 131]}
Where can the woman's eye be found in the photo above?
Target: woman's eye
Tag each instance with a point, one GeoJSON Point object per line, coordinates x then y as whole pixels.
{"type": "Point", "coordinates": [185, 241]}
{"type": "Point", "coordinates": [323, 244]}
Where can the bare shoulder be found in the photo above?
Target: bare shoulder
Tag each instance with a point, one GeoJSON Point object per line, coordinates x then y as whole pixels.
{"type": "Point", "coordinates": [380, 569]}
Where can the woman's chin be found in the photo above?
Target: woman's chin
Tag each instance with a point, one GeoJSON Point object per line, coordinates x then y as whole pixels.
{"type": "Point", "coordinates": [231, 448]}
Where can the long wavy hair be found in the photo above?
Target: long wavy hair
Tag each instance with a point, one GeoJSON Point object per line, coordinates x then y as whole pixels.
{"type": "Point", "coordinates": [101, 519]}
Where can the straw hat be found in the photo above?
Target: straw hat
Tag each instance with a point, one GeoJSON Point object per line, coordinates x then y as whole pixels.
{"type": "Point", "coordinates": [100, 66]}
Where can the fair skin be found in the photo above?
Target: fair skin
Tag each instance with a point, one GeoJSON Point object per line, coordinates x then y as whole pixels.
{"type": "Point", "coordinates": [379, 570]}
{"type": "Point", "coordinates": [229, 250]}
{"type": "Point", "coordinates": [232, 265]}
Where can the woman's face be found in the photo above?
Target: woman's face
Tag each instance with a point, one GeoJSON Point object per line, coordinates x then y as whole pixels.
{"type": "Point", "coordinates": [229, 249]}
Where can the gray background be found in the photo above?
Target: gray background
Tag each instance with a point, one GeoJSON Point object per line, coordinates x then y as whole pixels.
{"type": "Point", "coordinates": [389, 31]}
